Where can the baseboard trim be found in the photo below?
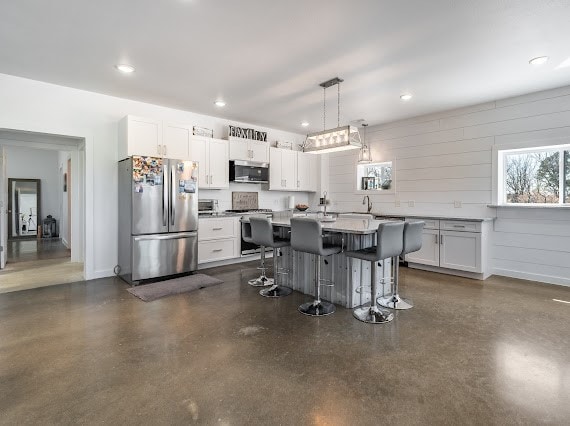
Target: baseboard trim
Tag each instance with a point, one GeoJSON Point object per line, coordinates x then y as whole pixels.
{"type": "Point", "coordinates": [65, 243]}
{"type": "Point", "coordinates": [104, 273]}
{"type": "Point", "coordinates": [547, 279]}
{"type": "Point", "coordinates": [472, 275]}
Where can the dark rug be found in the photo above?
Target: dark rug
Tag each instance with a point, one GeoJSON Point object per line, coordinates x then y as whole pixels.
{"type": "Point", "coordinates": [150, 292]}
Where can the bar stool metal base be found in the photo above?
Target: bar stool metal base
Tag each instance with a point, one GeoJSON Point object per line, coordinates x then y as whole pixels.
{"type": "Point", "coordinates": [317, 308]}
{"type": "Point", "coordinates": [261, 281]}
{"type": "Point", "coordinates": [372, 315]}
{"type": "Point", "coordinates": [395, 302]}
{"type": "Point", "coordinates": [276, 291]}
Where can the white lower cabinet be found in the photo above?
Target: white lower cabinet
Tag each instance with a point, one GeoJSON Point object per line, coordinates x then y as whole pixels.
{"type": "Point", "coordinates": [453, 244]}
{"type": "Point", "coordinates": [218, 239]}
{"type": "Point", "coordinates": [429, 253]}
{"type": "Point", "coordinates": [460, 250]}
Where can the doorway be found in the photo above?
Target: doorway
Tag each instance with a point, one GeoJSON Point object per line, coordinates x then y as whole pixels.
{"type": "Point", "coordinates": [38, 224]}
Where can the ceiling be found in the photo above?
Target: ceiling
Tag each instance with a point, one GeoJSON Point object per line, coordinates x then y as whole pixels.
{"type": "Point", "coordinates": [266, 58]}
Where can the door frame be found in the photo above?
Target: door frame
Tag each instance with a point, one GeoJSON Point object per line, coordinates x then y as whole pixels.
{"type": "Point", "coordinates": [38, 208]}
{"type": "Point", "coordinates": [84, 152]}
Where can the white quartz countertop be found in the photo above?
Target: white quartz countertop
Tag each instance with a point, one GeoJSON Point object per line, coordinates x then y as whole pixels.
{"type": "Point", "coordinates": [340, 225]}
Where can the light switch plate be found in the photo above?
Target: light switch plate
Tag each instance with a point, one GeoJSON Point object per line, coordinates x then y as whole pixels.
{"type": "Point", "coordinates": [397, 203]}
{"type": "Point", "coordinates": [411, 203]}
{"type": "Point", "coordinates": [457, 204]}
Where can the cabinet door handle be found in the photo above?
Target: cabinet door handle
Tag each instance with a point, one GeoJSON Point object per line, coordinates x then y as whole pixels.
{"type": "Point", "coordinates": [159, 149]}
{"type": "Point", "coordinates": [285, 183]}
{"type": "Point", "coordinates": [298, 184]}
{"type": "Point", "coordinates": [216, 250]}
{"type": "Point", "coordinates": [441, 240]}
{"type": "Point", "coordinates": [436, 239]}
{"type": "Point", "coordinates": [164, 149]}
{"type": "Point", "coordinates": [459, 226]}
{"type": "Point", "coordinates": [217, 229]}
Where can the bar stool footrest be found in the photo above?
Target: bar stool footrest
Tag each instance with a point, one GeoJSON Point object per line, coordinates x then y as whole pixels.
{"type": "Point", "coordinates": [261, 281]}
{"type": "Point", "coordinates": [276, 291]}
{"type": "Point", "coordinates": [317, 308]}
{"type": "Point", "coordinates": [372, 315]}
{"type": "Point", "coordinates": [395, 302]}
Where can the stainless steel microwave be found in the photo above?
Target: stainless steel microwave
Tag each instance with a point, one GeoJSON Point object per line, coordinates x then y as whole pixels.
{"type": "Point", "coordinates": [249, 172]}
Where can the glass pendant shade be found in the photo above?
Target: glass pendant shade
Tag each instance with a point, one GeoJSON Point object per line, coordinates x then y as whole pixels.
{"type": "Point", "coordinates": [365, 156]}
{"type": "Point", "coordinates": [334, 140]}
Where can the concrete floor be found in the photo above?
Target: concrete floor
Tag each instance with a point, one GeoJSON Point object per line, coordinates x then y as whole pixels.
{"type": "Point", "coordinates": [37, 263]}
{"type": "Point", "coordinates": [469, 352]}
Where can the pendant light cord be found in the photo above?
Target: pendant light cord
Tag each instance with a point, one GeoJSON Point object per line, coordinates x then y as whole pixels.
{"type": "Point", "coordinates": [338, 111]}
{"type": "Point", "coordinates": [324, 108]}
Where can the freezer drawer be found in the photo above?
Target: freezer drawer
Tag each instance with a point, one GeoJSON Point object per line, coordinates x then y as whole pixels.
{"type": "Point", "coordinates": [165, 254]}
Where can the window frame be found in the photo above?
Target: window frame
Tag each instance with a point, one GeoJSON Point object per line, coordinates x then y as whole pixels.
{"type": "Point", "coordinates": [501, 150]}
{"type": "Point", "coordinates": [356, 180]}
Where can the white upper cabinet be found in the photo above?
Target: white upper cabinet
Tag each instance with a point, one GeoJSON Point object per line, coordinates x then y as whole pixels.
{"type": "Point", "coordinates": [259, 151]}
{"type": "Point", "coordinates": [213, 157]}
{"type": "Point", "coordinates": [289, 169]}
{"type": "Point", "coordinates": [140, 136]}
{"type": "Point", "coordinates": [219, 164]}
{"type": "Point", "coordinates": [292, 170]}
{"type": "Point", "coordinates": [153, 138]}
{"type": "Point", "coordinates": [239, 149]}
{"type": "Point", "coordinates": [249, 150]}
{"type": "Point", "coordinates": [176, 140]}
{"type": "Point", "coordinates": [199, 152]}
{"type": "Point", "coordinates": [307, 171]}
{"type": "Point", "coordinates": [282, 169]}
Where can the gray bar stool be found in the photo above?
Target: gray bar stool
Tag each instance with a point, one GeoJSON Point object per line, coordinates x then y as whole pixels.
{"type": "Point", "coordinates": [307, 237]}
{"type": "Point", "coordinates": [262, 234]}
{"type": "Point", "coordinates": [262, 280]}
{"type": "Point", "coordinates": [413, 232]}
{"type": "Point", "coordinates": [389, 243]}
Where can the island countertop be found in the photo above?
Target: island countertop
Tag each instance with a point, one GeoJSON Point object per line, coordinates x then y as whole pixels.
{"type": "Point", "coordinates": [340, 225]}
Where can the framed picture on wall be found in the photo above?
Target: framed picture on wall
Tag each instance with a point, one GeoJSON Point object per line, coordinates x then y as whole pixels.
{"type": "Point", "coordinates": [65, 182]}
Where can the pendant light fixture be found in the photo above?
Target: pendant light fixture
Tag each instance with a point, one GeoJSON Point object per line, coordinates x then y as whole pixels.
{"type": "Point", "coordinates": [341, 138]}
{"type": "Point", "coordinates": [365, 155]}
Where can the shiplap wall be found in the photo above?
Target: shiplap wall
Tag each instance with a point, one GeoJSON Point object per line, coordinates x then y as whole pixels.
{"type": "Point", "coordinates": [446, 157]}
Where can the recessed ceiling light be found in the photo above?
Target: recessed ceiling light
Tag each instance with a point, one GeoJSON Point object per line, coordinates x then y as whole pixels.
{"type": "Point", "coordinates": [127, 69]}
{"type": "Point", "coordinates": [220, 103]}
{"type": "Point", "coordinates": [406, 96]}
{"type": "Point", "coordinates": [305, 123]}
{"type": "Point", "coordinates": [538, 61]}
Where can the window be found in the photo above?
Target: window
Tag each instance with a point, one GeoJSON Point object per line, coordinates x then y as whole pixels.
{"type": "Point", "coordinates": [535, 175]}
{"type": "Point", "coordinates": [374, 176]}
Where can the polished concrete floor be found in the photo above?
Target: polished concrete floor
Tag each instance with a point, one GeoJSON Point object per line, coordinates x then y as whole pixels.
{"type": "Point", "coordinates": [37, 263]}
{"type": "Point", "coordinates": [469, 352]}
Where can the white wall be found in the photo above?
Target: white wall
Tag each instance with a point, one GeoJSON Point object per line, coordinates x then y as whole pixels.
{"type": "Point", "coordinates": [26, 163]}
{"type": "Point", "coordinates": [32, 105]}
{"type": "Point", "coordinates": [62, 157]}
{"type": "Point", "coordinates": [446, 157]}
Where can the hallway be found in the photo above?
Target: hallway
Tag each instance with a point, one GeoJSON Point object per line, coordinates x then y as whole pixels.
{"type": "Point", "coordinates": [38, 263]}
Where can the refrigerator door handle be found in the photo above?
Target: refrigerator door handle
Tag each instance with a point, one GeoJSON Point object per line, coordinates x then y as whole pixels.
{"type": "Point", "coordinates": [172, 197]}
{"type": "Point", "coordinates": [164, 197]}
{"type": "Point", "coordinates": [165, 236]}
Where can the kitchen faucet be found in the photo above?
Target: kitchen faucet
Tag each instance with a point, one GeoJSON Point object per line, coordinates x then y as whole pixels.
{"type": "Point", "coordinates": [369, 207]}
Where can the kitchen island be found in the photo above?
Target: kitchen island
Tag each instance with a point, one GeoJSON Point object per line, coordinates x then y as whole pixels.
{"type": "Point", "coordinates": [346, 273]}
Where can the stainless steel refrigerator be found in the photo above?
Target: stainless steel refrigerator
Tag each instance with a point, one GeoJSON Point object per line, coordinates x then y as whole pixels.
{"type": "Point", "coordinates": [158, 218]}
